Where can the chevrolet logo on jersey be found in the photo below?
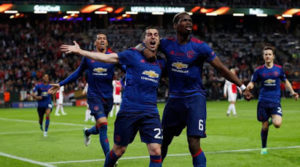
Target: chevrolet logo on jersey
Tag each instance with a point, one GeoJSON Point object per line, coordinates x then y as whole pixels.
{"type": "Point", "coordinates": [179, 65]}
{"type": "Point", "coordinates": [100, 70]}
{"type": "Point", "coordinates": [151, 74]}
{"type": "Point", "coordinates": [270, 82]}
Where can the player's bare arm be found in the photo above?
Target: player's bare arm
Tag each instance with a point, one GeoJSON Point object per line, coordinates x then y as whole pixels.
{"type": "Point", "coordinates": [225, 72]}
{"type": "Point", "coordinates": [290, 88]}
{"type": "Point", "coordinates": [106, 58]}
{"type": "Point", "coordinates": [36, 96]}
{"type": "Point", "coordinates": [53, 89]}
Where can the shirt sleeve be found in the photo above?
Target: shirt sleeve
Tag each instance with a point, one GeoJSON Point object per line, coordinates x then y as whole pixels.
{"type": "Point", "coordinates": [126, 57]}
{"type": "Point", "coordinates": [254, 77]}
{"type": "Point", "coordinates": [35, 89]}
{"type": "Point", "coordinates": [209, 54]}
{"type": "Point", "coordinates": [76, 74]}
{"type": "Point", "coordinates": [282, 75]}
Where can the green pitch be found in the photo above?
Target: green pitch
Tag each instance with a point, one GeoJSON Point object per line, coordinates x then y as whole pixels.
{"type": "Point", "coordinates": [231, 141]}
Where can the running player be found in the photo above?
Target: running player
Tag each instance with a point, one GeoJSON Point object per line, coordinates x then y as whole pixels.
{"type": "Point", "coordinates": [138, 109]}
{"type": "Point", "coordinates": [59, 102]}
{"type": "Point", "coordinates": [99, 94]}
{"type": "Point", "coordinates": [269, 76]}
{"type": "Point", "coordinates": [117, 97]}
{"type": "Point", "coordinates": [40, 93]}
{"type": "Point", "coordinates": [186, 105]}
{"type": "Point", "coordinates": [230, 90]}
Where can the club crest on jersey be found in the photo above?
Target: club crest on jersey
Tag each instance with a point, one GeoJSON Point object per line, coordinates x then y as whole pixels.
{"type": "Point", "coordinates": [151, 74]}
{"type": "Point", "coordinates": [100, 71]}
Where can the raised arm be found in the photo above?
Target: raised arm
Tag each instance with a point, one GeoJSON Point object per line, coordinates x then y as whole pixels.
{"type": "Point", "coordinates": [225, 72]}
{"type": "Point", "coordinates": [290, 88]}
{"type": "Point", "coordinates": [98, 56]}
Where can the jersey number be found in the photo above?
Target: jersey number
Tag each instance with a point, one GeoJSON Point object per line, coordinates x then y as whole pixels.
{"type": "Point", "coordinates": [201, 126]}
{"type": "Point", "coordinates": [279, 110]}
{"type": "Point", "coordinates": [158, 135]}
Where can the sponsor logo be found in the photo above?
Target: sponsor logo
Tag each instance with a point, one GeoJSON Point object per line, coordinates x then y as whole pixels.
{"type": "Point", "coordinates": [179, 65]}
{"type": "Point", "coordinates": [270, 82]}
{"type": "Point", "coordinates": [96, 108]}
{"type": "Point", "coordinates": [100, 71]}
{"type": "Point", "coordinates": [151, 74]}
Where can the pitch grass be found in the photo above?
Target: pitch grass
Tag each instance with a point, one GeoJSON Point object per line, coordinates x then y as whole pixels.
{"type": "Point", "coordinates": [20, 136]}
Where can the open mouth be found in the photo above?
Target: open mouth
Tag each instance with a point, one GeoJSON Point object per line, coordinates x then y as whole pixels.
{"type": "Point", "coordinates": [152, 44]}
{"type": "Point", "coordinates": [189, 28]}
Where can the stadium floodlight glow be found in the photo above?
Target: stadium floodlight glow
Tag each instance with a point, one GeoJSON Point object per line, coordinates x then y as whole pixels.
{"type": "Point", "coordinates": [190, 13]}
{"type": "Point", "coordinates": [72, 12]}
{"type": "Point", "coordinates": [124, 15]}
{"type": "Point", "coordinates": [211, 14]}
{"type": "Point", "coordinates": [261, 15]}
{"type": "Point", "coordinates": [40, 12]}
{"type": "Point", "coordinates": [157, 13]}
{"type": "Point", "coordinates": [11, 11]}
{"type": "Point", "coordinates": [238, 14]}
{"type": "Point", "coordinates": [100, 12]}
{"type": "Point", "coordinates": [131, 12]}
{"type": "Point", "coordinates": [287, 15]}
{"type": "Point", "coordinates": [279, 17]}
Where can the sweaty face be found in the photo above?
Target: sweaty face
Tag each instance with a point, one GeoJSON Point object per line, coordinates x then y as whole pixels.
{"type": "Point", "coordinates": [101, 42]}
{"type": "Point", "coordinates": [184, 24]}
{"type": "Point", "coordinates": [151, 39]}
{"type": "Point", "coordinates": [268, 56]}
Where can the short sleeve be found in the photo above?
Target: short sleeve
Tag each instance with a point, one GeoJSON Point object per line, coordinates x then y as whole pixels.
{"type": "Point", "coordinates": [208, 53]}
{"type": "Point", "coordinates": [282, 75]}
{"type": "Point", "coordinates": [254, 77]}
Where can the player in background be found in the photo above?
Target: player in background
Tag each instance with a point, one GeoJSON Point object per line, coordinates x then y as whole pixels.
{"type": "Point", "coordinates": [88, 115]}
{"type": "Point", "coordinates": [269, 76]}
{"type": "Point", "coordinates": [186, 105]}
{"type": "Point", "coordinates": [139, 104]}
{"type": "Point", "coordinates": [59, 101]}
{"type": "Point", "coordinates": [40, 93]}
{"type": "Point", "coordinates": [99, 94]}
{"type": "Point", "coordinates": [117, 96]}
{"type": "Point", "coordinates": [230, 91]}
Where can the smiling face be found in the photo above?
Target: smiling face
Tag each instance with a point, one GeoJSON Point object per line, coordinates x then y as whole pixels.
{"type": "Point", "coordinates": [183, 23]}
{"type": "Point", "coordinates": [101, 43]}
{"type": "Point", "coordinates": [151, 39]}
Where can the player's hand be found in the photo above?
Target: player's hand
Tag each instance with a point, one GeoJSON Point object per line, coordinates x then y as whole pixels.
{"type": "Point", "coordinates": [225, 95]}
{"type": "Point", "coordinates": [70, 48]}
{"type": "Point", "coordinates": [247, 94]}
{"type": "Point", "coordinates": [295, 95]}
{"type": "Point", "coordinates": [140, 47]}
{"type": "Point", "coordinates": [53, 89]}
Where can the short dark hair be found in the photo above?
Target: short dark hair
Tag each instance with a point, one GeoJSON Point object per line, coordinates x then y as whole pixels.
{"type": "Point", "coordinates": [176, 17]}
{"type": "Point", "coordinates": [269, 47]}
{"type": "Point", "coordinates": [147, 28]}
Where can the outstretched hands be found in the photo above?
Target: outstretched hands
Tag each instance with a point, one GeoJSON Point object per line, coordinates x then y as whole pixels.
{"type": "Point", "coordinates": [54, 88]}
{"type": "Point", "coordinates": [70, 48]}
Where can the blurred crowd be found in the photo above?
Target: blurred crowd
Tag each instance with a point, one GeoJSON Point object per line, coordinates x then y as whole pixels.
{"type": "Point", "coordinates": [30, 49]}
